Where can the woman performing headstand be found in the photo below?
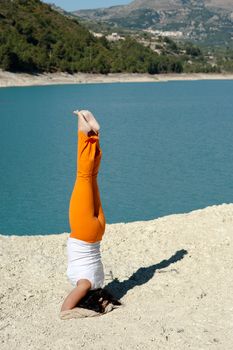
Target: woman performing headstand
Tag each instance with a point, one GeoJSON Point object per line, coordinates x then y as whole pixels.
{"type": "Point", "coordinates": [87, 221]}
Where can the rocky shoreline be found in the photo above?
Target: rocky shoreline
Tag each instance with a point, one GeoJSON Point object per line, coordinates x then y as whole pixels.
{"type": "Point", "coordinates": [8, 79]}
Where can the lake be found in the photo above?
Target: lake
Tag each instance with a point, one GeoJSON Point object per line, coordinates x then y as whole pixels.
{"type": "Point", "coordinates": [167, 148]}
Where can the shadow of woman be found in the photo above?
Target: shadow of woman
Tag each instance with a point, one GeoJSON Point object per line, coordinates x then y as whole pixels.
{"type": "Point", "coordinates": [141, 276]}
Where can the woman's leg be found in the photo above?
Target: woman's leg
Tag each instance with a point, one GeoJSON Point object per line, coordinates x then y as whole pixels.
{"type": "Point", "coordinates": [99, 213]}
{"type": "Point", "coordinates": [86, 216]}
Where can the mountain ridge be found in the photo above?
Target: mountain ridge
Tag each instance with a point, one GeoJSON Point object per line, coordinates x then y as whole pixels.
{"type": "Point", "coordinates": [167, 4]}
{"type": "Point", "coordinates": [198, 20]}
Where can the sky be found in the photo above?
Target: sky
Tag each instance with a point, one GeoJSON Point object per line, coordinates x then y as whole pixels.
{"type": "Point", "coordinates": [71, 5]}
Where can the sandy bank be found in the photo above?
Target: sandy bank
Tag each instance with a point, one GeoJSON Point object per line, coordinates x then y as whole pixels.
{"type": "Point", "coordinates": [22, 79]}
{"type": "Point", "coordinates": [174, 275]}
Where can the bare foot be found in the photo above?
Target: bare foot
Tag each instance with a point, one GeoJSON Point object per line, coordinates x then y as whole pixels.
{"type": "Point", "coordinates": [83, 125]}
{"type": "Point", "coordinates": [89, 117]}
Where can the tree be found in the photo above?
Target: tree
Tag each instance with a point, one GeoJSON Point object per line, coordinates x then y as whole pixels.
{"type": "Point", "coordinates": [153, 66]}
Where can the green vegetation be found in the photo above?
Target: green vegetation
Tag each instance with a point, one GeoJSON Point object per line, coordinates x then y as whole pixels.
{"type": "Point", "coordinates": [190, 56]}
{"type": "Point", "coordinates": [35, 38]}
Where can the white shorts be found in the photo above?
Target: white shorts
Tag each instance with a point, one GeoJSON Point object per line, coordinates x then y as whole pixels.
{"type": "Point", "coordinates": [84, 261]}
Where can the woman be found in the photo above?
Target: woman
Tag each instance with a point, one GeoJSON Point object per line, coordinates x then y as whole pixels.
{"type": "Point", "coordinates": [86, 216]}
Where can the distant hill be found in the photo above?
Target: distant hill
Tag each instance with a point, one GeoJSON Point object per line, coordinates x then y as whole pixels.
{"type": "Point", "coordinates": [207, 21]}
{"type": "Point", "coordinates": [179, 4]}
{"type": "Point", "coordinates": [36, 38]}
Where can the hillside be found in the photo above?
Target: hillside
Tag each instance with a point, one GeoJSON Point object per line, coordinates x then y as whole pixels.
{"type": "Point", "coordinates": [204, 21]}
{"type": "Point", "coordinates": [36, 38]}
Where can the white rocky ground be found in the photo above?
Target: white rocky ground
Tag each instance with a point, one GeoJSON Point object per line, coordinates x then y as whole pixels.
{"type": "Point", "coordinates": [173, 274]}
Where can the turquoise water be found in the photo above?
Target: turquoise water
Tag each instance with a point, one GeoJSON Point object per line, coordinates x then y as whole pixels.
{"type": "Point", "coordinates": [167, 148]}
